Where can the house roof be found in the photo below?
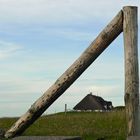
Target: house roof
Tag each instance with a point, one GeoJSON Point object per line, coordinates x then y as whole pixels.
{"type": "Point", "coordinates": [93, 102]}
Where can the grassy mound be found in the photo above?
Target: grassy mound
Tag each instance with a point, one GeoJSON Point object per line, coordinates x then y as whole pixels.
{"type": "Point", "coordinates": [89, 125]}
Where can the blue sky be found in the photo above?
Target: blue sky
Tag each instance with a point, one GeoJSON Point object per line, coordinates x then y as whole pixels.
{"type": "Point", "coordinates": [40, 39]}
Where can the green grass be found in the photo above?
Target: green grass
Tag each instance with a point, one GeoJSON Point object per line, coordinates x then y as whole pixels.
{"type": "Point", "coordinates": [89, 125]}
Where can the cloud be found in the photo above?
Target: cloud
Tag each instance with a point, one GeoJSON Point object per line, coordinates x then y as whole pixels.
{"type": "Point", "coordinates": [13, 109]}
{"type": "Point", "coordinates": [106, 90]}
{"type": "Point", "coordinates": [68, 33]}
{"type": "Point", "coordinates": [8, 49]}
{"type": "Point", "coordinates": [59, 10]}
{"type": "Point", "coordinates": [20, 86]}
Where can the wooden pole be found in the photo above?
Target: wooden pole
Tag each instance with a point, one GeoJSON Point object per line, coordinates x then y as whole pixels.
{"type": "Point", "coordinates": [130, 29]}
{"type": "Point", "coordinates": [112, 30]}
{"type": "Point", "coordinates": [65, 109]}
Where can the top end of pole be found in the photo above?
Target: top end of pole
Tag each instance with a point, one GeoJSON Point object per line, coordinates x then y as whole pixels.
{"type": "Point", "coordinates": [130, 7]}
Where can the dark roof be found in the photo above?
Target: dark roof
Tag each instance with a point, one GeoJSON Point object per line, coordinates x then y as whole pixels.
{"type": "Point", "coordinates": [93, 102]}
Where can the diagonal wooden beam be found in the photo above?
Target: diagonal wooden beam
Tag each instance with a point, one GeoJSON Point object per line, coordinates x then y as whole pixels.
{"type": "Point", "coordinates": [111, 31]}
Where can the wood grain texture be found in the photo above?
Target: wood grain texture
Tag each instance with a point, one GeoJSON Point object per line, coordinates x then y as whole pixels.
{"type": "Point", "coordinates": [111, 31]}
{"type": "Point", "coordinates": [130, 30]}
{"type": "Point", "coordinates": [133, 138]}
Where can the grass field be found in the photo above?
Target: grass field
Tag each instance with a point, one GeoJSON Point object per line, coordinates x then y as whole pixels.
{"type": "Point", "coordinates": [89, 125]}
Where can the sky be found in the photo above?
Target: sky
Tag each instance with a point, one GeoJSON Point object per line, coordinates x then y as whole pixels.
{"type": "Point", "coordinates": [40, 39]}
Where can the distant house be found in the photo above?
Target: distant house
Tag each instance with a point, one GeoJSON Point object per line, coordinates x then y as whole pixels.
{"type": "Point", "coordinates": [93, 103]}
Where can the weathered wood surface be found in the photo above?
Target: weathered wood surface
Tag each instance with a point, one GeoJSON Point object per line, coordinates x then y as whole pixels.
{"type": "Point", "coordinates": [47, 138]}
{"type": "Point", "coordinates": [133, 138]}
{"type": "Point", "coordinates": [113, 29]}
{"type": "Point", "coordinates": [130, 29]}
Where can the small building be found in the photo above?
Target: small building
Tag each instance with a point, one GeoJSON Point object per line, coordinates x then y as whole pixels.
{"type": "Point", "coordinates": [93, 103]}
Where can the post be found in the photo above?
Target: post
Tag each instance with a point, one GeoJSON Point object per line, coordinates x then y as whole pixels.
{"type": "Point", "coordinates": [130, 29]}
{"type": "Point", "coordinates": [65, 109]}
{"type": "Point", "coordinates": [112, 30]}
